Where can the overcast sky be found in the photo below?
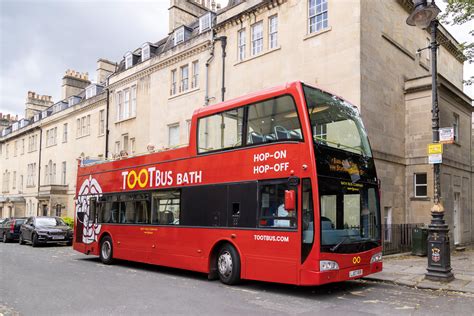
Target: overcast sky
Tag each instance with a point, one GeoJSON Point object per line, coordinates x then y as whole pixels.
{"type": "Point", "coordinates": [40, 39]}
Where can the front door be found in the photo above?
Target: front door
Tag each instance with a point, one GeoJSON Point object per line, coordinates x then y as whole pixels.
{"type": "Point", "coordinates": [45, 210]}
{"type": "Point", "coordinates": [457, 219]}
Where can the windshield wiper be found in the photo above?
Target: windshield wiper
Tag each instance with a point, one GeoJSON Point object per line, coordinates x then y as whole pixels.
{"type": "Point", "coordinates": [338, 244]}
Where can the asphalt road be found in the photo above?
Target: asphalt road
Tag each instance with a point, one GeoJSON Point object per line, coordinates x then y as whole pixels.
{"type": "Point", "coordinates": [55, 280]}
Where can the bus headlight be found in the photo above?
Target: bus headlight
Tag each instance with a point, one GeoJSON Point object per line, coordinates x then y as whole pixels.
{"type": "Point", "coordinates": [326, 265]}
{"type": "Point", "coordinates": [376, 258]}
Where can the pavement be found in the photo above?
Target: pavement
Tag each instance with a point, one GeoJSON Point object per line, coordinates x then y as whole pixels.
{"type": "Point", "coordinates": [409, 270]}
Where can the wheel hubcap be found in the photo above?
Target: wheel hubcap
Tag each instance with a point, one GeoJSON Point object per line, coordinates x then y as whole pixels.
{"type": "Point", "coordinates": [225, 264]}
{"type": "Point", "coordinates": [106, 250]}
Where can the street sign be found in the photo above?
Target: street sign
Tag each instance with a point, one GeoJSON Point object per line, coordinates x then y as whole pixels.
{"type": "Point", "coordinates": [446, 135]}
{"type": "Point", "coordinates": [435, 158]}
{"type": "Point", "coordinates": [435, 148]}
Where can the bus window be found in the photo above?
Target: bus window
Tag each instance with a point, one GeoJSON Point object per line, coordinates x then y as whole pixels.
{"type": "Point", "coordinates": [273, 120]}
{"type": "Point", "coordinates": [166, 208]}
{"type": "Point", "coordinates": [221, 131]}
{"type": "Point", "coordinates": [272, 206]}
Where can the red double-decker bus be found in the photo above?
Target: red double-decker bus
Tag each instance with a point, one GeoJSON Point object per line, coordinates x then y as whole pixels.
{"type": "Point", "coordinates": [277, 186]}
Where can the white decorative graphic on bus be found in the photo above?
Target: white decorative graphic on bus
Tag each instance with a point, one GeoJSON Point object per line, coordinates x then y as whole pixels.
{"type": "Point", "coordinates": [89, 188]}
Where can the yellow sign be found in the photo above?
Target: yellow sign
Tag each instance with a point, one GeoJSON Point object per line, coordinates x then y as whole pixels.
{"type": "Point", "coordinates": [435, 149]}
{"type": "Point", "coordinates": [356, 260]}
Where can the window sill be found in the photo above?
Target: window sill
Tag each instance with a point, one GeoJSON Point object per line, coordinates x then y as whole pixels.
{"type": "Point", "coordinates": [314, 34]}
{"type": "Point", "coordinates": [82, 136]}
{"type": "Point", "coordinates": [258, 55]}
{"type": "Point", "coordinates": [420, 198]}
{"type": "Point", "coordinates": [183, 93]}
{"type": "Point", "coordinates": [126, 119]}
{"type": "Point", "coordinates": [52, 145]}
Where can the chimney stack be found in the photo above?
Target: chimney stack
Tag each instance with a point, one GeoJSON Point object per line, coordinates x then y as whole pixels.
{"type": "Point", "coordinates": [104, 69]}
{"type": "Point", "coordinates": [184, 12]}
{"type": "Point", "coordinates": [36, 103]}
{"type": "Point", "coordinates": [73, 83]}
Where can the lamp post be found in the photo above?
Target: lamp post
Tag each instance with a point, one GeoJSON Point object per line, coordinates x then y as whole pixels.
{"type": "Point", "coordinates": [439, 254]}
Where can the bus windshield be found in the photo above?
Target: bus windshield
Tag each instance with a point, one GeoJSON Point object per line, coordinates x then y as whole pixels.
{"type": "Point", "coordinates": [336, 123]}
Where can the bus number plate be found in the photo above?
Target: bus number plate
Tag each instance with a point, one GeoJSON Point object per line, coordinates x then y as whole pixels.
{"type": "Point", "coordinates": [355, 273]}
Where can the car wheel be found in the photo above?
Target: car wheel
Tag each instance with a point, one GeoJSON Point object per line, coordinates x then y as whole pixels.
{"type": "Point", "coordinates": [69, 243]}
{"type": "Point", "coordinates": [106, 250]}
{"type": "Point", "coordinates": [34, 240]}
{"type": "Point", "coordinates": [228, 265]}
{"type": "Point", "coordinates": [20, 240]}
{"type": "Point", "coordinates": [4, 238]}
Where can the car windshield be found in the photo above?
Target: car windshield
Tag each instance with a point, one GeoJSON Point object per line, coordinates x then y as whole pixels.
{"type": "Point", "coordinates": [49, 221]}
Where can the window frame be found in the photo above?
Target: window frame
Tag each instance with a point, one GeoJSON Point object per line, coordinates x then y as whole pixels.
{"type": "Point", "coordinates": [170, 126]}
{"type": "Point", "coordinates": [241, 44]}
{"type": "Point", "coordinates": [416, 185]}
{"type": "Point", "coordinates": [316, 14]}
{"type": "Point", "coordinates": [273, 35]}
{"type": "Point", "coordinates": [456, 123]}
{"type": "Point", "coordinates": [245, 127]}
{"type": "Point", "coordinates": [254, 41]}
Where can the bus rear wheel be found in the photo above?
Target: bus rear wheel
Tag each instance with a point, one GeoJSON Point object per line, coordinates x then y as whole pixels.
{"type": "Point", "coordinates": [228, 265]}
{"type": "Point", "coordinates": [106, 250]}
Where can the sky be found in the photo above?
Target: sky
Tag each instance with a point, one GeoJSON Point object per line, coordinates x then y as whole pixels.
{"type": "Point", "coordinates": [41, 39]}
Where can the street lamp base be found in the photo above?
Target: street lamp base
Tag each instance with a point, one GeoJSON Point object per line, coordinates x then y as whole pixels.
{"type": "Point", "coordinates": [439, 276]}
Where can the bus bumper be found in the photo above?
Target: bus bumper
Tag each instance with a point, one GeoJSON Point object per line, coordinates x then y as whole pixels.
{"type": "Point", "coordinates": [309, 277]}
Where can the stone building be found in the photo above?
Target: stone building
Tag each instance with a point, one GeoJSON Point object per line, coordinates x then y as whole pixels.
{"type": "Point", "coordinates": [361, 50]}
{"type": "Point", "coordinates": [39, 155]}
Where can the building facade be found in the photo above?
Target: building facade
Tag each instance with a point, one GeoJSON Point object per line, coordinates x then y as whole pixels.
{"type": "Point", "coordinates": [361, 50]}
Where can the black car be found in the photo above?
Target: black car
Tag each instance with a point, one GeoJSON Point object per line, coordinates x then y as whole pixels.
{"type": "Point", "coordinates": [45, 229]}
{"type": "Point", "coordinates": [10, 228]}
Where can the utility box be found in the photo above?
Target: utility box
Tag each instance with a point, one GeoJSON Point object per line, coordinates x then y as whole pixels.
{"type": "Point", "coordinates": [419, 241]}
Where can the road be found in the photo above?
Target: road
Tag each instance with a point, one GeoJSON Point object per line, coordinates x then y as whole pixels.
{"type": "Point", "coordinates": [57, 280]}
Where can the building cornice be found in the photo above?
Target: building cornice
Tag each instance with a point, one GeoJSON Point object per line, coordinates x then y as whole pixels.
{"type": "Point", "coordinates": [160, 64]}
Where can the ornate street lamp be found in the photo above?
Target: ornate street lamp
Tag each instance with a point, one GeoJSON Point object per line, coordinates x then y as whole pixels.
{"type": "Point", "coordinates": [439, 254]}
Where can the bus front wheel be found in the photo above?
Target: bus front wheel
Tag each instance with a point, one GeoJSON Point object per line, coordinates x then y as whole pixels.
{"type": "Point", "coordinates": [228, 265]}
{"type": "Point", "coordinates": [106, 250]}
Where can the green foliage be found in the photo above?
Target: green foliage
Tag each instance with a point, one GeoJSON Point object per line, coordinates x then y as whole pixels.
{"type": "Point", "coordinates": [69, 221]}
{"type": "Point", "coordinates": [459, 12]}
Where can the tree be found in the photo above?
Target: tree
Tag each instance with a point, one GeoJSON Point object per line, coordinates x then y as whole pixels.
{"type": "Point", "coordinates": [459, 12]}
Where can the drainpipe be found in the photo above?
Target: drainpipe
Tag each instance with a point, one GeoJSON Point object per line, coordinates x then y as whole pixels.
{"type": "Point", "coordinates": [107, 110]}
{"type": "Point", "coordinates": [223, 40]}
{"type": "Point", "coordinates": [208, 62]}
{"type": "Point", "coordinates": [39, 167]}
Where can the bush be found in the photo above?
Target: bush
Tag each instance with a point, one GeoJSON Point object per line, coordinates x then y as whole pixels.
{"type": "Point", "coordinates": [69, 221]}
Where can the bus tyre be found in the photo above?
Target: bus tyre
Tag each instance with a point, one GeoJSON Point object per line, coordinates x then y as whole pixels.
{"type": "Point", "coordinates": [20, 240]}
{"type": "Point", "coordinates": [228, 265]}
{"type": "Point", "coordinates": [106, 250]}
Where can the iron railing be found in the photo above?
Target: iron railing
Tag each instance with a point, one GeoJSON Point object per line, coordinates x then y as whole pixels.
{"type": "Point", "coordinates": [397, 238]}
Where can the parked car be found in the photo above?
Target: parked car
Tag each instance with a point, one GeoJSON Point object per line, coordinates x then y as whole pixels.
{"type": "Point", "coordinates": [10, 228]}
{"type": "Point", "coordinates": [45, 229]}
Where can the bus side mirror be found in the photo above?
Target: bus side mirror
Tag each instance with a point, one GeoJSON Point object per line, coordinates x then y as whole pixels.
{"type": "Point", "coordinates": [290, 202]}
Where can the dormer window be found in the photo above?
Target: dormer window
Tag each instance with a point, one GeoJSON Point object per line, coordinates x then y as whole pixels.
{"type": "Point", "coordinates": [128, 60]}
{"type": "Point", "coordinates": [205, 22]}
{"type": "Point", "coordinates": [179, 35]}
{"type": "Point", "coordinates": [145, 51]}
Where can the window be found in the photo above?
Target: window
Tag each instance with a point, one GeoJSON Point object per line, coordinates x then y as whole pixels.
{"type": "Point", "coordinates": [456, 127]}
{"type": "Point", "coordinates": [133, 103]}
{"type": "Point", "coordinates": [166, 208]}
{"type": "Point", "coordinates": [132, 208]}
{"type": "Point", "coordinates": [6, 181]}
{"type": "Point", "coordinates": [63, 173]}
{"type": "Point", "coordinates": [318, 15]}
{"type": "Point", "coordinates": [119, 105]}
{"type": "Point", "coordinates": [173, 82]}
{"type": "Point", "coordinates": [101, 122]}
{"type": "Point", "coordinates": [421, 185]}
{"type": "Point", "coordinates": [145, 51]}
{"type": "Point", "coordinates": [20, 187]}
{"type": "Point", "coordinates": [78, 127]}
{"type": "Point", "coordinates": [117, 147]}
{"type": "Point", "coordinates": [257, 38]}
{"type": "Point", "coordinates": [221, 131]}
{"type": "Point", "coordinates": [15, 148]}
{"type": "Point", "coordinates": [31, 175]}
{"type": "Point", "coordinates": [125, 142]}
{"type": "Point", "coordinates": [205, 22]}
{"type": "Point", "coordinates": [132, 145]}
{"type": "Point", "coordinates": [23, 146]}
{"type": "Point", "coordinates": [173, 135]}
{"type": "Point", "coordinates": [272, 212]}
{"type": "Point", "coordinates": [64, 132]}
{"type": "Point", "coordinates": [126, 104]}
{"type": "Point", "coordinates": [83, 126]}
{"type": "Point", "coordinates": [51, 136]}
{"type": "Point", "coordinates": [194, 81]}
{"type": "Point", "coordinates": [128, 60]}
{"type": "Point", "coordinates": [14, 180]}
{"type": "Point", "coordinates": [267, 121]}
{"type": "Point", "coordinates": [273, 31]}
{"type": "Point", "coordinates": [179, 35]}
{"type": "Point", "coordinates": [241, 44]}
{"type": "Point", "coordinates": [184, 78]}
